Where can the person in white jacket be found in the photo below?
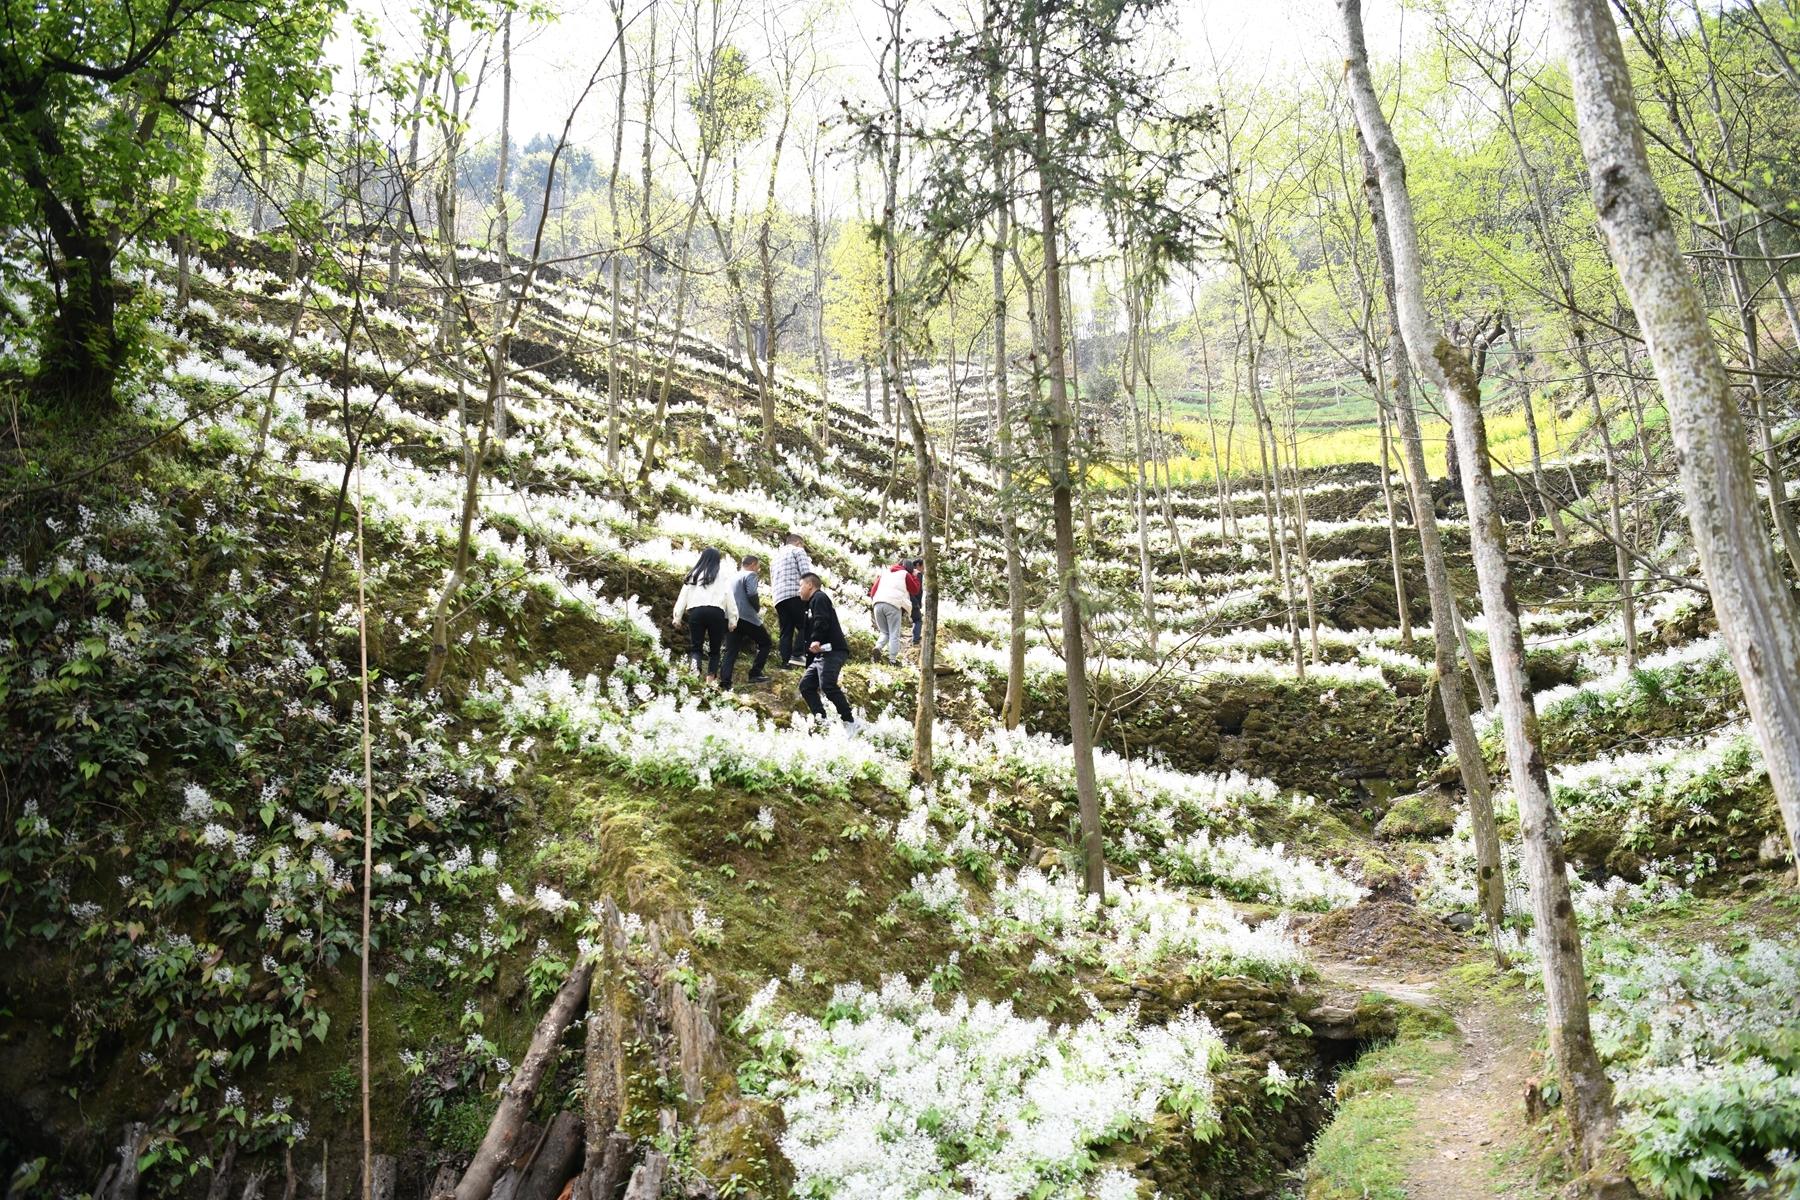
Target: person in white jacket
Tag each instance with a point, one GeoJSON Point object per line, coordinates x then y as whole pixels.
{"type": "Point", "coordinates": [892, 593]}
{"type": "Point", "coordinates": [706, 607]}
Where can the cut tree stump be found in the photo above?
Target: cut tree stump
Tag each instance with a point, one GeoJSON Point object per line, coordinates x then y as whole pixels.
{"type": "Point", "coordinates": [695, 1026]}
{"type": "Point", "coordinates": [220, 1187]}
{"type": "Point", "coordinates": [647, 1180]}
{"type": "Point", "coordinates": [606, 1179]}
{"type": "Point", "coordinates": [384, 1176]}
{"type": "Point", "coordinates": [478, 1181]}
{"type": "Point", "coordinates": [443, 1183]}
{"type": "Point", "coordinates": [604, 1056]}
{"type": "Point", "coordinates": [131, 1146]}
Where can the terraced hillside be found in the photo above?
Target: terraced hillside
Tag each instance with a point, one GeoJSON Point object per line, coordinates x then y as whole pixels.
{"type": "Point", "coordinates": [695, 940]}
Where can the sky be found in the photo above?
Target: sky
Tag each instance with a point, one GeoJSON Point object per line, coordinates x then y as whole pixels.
{"type": "Point", "coordinates": [553, 60]}
{"type": "Point", "coordinates": [1256, 43]}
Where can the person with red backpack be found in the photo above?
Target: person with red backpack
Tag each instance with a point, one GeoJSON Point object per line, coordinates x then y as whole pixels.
{"type": "Point", "coordinates": [893, 592]}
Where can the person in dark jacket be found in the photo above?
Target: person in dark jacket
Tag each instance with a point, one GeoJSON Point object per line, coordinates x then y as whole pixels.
{"type": "Point", "coordinates": [827, 649]}
{"type": "Point", "coordinates": [749, 625]}
{"type": "Point", "coordinates": [917, 568]}
{"type": "Point", "coordinates": [791, 562]}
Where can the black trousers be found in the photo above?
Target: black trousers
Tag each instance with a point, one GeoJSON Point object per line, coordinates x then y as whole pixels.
{"type": "Point", "coordinates": [757, 636]}
{"type": "Point", "coordinates": [706, 637]}
{"type": "Point", "coordinates": [789, 613]}
{"type": "Point", "coordinates": [822, 676]}
{"type": "Point", "coordinates": [918, 616]}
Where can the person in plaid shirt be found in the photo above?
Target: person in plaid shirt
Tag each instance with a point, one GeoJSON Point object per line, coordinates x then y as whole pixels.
{"type": "Point", "coordinates": [790, 563]}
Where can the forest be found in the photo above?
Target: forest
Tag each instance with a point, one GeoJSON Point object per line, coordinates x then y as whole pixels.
{"type": "Point", "coordinates": [890, 600]}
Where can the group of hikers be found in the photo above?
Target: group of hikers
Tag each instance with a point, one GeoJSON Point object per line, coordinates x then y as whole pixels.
{"type": "Point", "coordinates": [722, 613]}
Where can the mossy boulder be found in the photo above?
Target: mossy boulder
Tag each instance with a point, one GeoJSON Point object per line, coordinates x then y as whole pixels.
{"type": "Point", "coordinates": [1427, 814]}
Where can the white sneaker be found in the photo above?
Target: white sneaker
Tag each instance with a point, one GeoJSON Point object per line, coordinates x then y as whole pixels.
{"type": "Point", "coordinates": [853, 728]}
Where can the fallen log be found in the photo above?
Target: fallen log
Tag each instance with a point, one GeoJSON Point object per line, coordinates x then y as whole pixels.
{"type": "Point", "coordinates": [515, 1101]}
{"type": "Point", "coordinates": [524, 1149]}
{"type": "Point", "coordinates": [557, 1159]}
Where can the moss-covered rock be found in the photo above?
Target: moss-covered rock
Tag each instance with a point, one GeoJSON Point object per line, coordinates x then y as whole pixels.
{"type": "Point", "coordinates": [1427, 814]}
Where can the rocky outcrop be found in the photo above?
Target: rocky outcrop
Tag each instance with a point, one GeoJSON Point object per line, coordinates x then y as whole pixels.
{"type": "Point", "coordinates": [655, 1067]}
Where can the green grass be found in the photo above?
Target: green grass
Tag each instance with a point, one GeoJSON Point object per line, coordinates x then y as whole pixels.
{"type": "Point", "coordinates": [1360, 1155]}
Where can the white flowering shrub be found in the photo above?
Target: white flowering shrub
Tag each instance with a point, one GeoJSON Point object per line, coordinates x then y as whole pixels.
{"type": "Point", "coordinates": [889, 1094]}
{"type": "Point", "coordinates": [1695, 676]}
{"type": "Point", "coordinates": [665, 741]}
{"type": "Point", "coordinates": [1151, 813]}
{"type": "Point", "coordinates": [1703, 1048]}
{"type": "Point", "coordinates": [1687, 800]}
{"type": "Point", "coordinates": [1238, 866]}
{"type": "Point", "coordinates": [1448, 885]}
{"type": "Point", "coordinates": [1141, 928]}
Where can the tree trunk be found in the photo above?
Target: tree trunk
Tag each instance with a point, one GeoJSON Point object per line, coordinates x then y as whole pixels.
{"type": "Point", "coordinates": [281, 365]}
{"type": "Point", "coordinates": [1212, 430]}
{"type": "Point", "coordinates": [1274, 505]}
{"type": "Point", "coordinates": [82, 357]}
{"type": "Point", "coordinates": [1490, 880]}
{"type": "Point", "coordinates": [822, 350]}
{"type": "Point", "coordinates": [1609, 457]}
{"type": "Point", "coordinates": [183, 272]}
{"type": "Point", "coordinates": [1586, 1088]}
{"type": "Point", "coordinates": [1552, 509]}
{"type": "Point", "coordinates": [516, 1100]}
{"type": "Point", "coordinates": [615, 385]}
{"type": "Point", "coordinates": [1014, 702]}
{"type": "Point", "coordinates": [1302, 549]}
{"type": "Point", "coordinates": [402, 201]}
{"type": "Point", "coordinates": [1757, 614]}
{"type": "Point", "coordinates": [925, 715]}
{"type": "Point", "coordinates": [1402, 605]}
{"type": "Point", "coordinates": [640, 338]}
{"type": "Point", "coordinates": [681, 293]}
{"type": "Point", "coordinates": [473, 458]}
{"type": "Point", "coordinates": [502, 335]}
{"type": "Point", "coordinates": [765, 373]}
{"type": "Point", "coordinates": [1468, 652]}
{"type": "Point", "coordinates": [262, 182]}
{"type": "Point", "coordinates": [1134, 332]}
{"type": "Point", "coordinates": [1081, 742]}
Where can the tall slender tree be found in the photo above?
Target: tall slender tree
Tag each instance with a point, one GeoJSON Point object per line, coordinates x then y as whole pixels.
{"type": "Point", "coordinates": [1756, 611]}
{"type": "Point", "coordinates": [1586, 1087]}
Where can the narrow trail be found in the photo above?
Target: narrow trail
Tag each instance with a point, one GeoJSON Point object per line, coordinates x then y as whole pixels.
{"type": "Point", "coordinates": [1469, 1136]}
{"type": "Point", "coordinates": [1472, 1112]}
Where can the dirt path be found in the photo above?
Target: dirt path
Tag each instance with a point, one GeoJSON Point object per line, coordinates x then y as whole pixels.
{"type": "Point", "coordinates": [1471, 1113]}
{"type": "Point", "coordinates": [1468, 1138]}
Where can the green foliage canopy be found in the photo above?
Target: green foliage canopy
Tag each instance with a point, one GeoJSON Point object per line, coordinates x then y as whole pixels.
{"type": "Point", "coordinates": [102, 105]}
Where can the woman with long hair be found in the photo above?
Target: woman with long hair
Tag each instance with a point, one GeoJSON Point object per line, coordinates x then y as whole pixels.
{"type": "Point", "coordinates": [707, 608]}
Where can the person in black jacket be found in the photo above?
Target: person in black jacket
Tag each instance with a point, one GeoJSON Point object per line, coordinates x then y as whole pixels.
{"type": "Point", "coordinates": [917, 567]}
{"type": "Point", "coordinates": [827, 649]}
